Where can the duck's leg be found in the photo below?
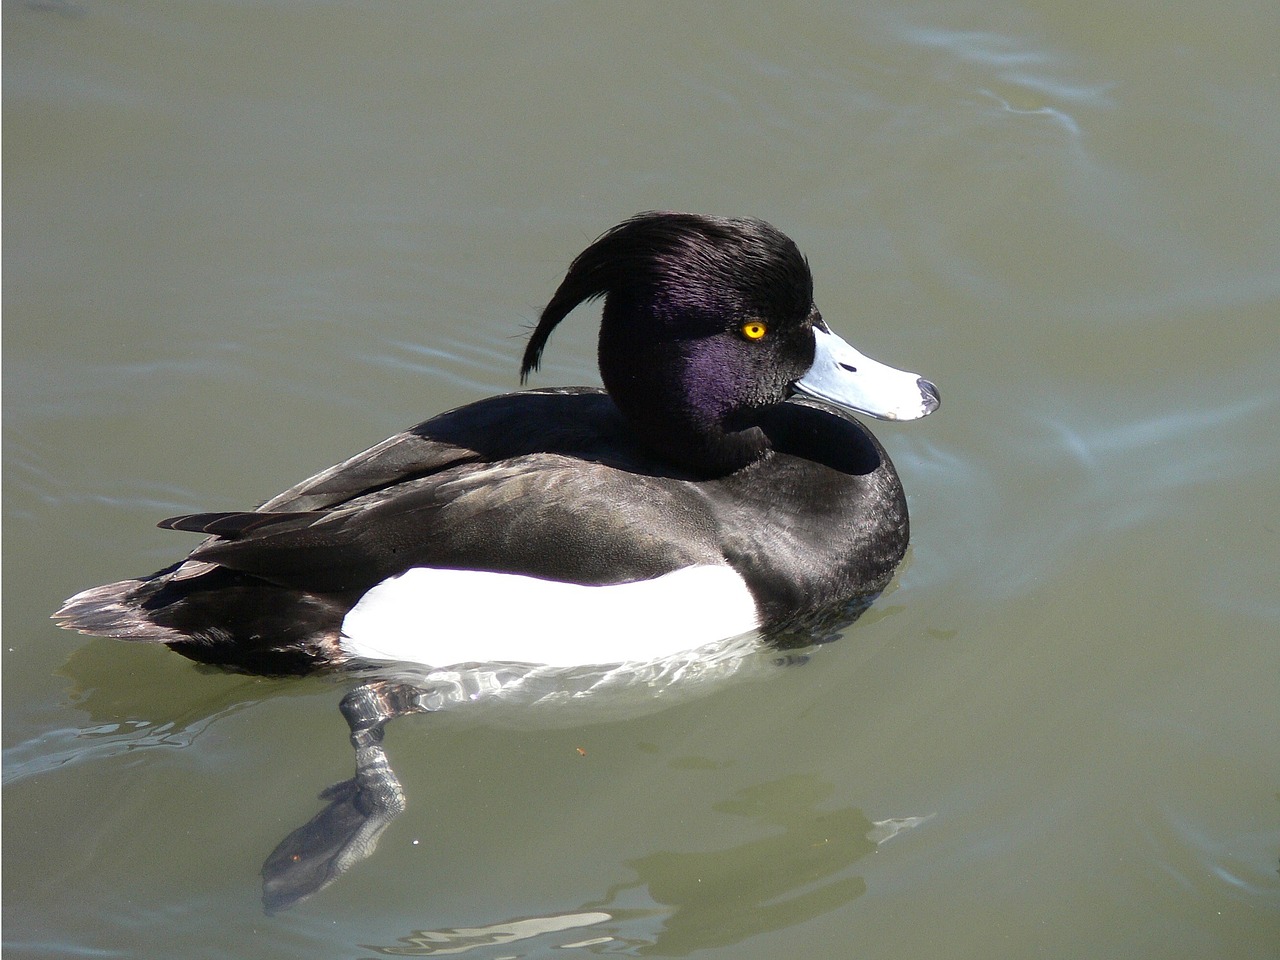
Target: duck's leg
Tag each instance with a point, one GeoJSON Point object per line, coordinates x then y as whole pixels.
{"type": "Point", "coordinates": [347, 829]}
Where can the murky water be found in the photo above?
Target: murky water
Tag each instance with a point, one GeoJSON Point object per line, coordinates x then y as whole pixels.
{"type": "Point", "coordinates": [243, 241]}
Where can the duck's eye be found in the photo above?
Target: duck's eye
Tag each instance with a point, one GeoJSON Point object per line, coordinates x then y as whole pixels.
{"type": "Point", "coordinates": [754, 330]}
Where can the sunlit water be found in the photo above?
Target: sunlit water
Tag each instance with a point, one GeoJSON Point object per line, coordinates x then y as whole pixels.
{"type": "Point", "coordinates": [245, 241]}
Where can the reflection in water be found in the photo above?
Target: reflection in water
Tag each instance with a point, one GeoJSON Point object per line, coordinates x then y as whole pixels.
{"type": "Point", "coordinates": [116, 712]}
{"type": "Point", "coordinates": [359, 810]}
{"type": "Point", "coordinates": [721, 897]}
{"type": "Point", "coordinates": [454, 940]}
{"type": "Point", "coordinates": [682, 902]}
{"type": "Point", "coordinates": [55, 749]}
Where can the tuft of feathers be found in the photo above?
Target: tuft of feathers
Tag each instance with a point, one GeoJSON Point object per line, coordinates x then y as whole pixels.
{"type": "Point", "coordinates": [687, 264]}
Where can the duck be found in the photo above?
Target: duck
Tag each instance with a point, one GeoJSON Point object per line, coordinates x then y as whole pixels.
{"type": "Point", "coordinates": [720, 483]}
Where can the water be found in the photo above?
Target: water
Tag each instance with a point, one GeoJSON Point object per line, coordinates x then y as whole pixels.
{"type": "Point", "coordinates": [244, 241]}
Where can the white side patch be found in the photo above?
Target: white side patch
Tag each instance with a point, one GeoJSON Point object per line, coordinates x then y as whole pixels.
{"type": "Point", "coordinates": [445, 617]}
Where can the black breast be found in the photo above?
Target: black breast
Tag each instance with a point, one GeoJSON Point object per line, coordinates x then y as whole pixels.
{"type": "Point", "coordinates": [821, 521]}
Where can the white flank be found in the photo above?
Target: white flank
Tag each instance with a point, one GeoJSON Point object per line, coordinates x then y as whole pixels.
{"type": "Point", "coordinates": [447, 617]}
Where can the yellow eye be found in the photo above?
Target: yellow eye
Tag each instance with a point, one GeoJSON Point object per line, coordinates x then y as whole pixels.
{"type": "Point", "coordinates": [754, 330]}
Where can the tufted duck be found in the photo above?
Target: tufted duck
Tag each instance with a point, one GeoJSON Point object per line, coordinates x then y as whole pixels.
{"type": "Point", "coordinates": [717, 485]}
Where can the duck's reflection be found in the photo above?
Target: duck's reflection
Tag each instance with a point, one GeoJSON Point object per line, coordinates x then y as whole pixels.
{"type": "Point", "coordinates": [721, 897]}
{"type": "Point", "coordinates": [682, 902]}
{"type": "Point", "coordinates": [358, 810]}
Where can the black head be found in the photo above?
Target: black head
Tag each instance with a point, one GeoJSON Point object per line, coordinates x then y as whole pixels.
{"type": "Point", "coordinates": [706, 322]}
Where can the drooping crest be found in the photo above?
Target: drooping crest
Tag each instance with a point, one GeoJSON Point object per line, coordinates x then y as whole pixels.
{"type": "Point", "coordinates": [691, 259]}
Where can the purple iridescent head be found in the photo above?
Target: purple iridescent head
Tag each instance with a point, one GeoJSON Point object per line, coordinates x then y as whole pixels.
{"type": "Point", "coordinates": [706, 323]}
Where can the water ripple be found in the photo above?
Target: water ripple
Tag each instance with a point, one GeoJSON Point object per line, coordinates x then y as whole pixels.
{"type": "Point", "coordinates": [63, 747]}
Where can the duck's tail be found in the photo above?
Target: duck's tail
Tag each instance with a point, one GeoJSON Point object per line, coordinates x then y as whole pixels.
{"type": "Point", "coordinates": [215, 615]}
{"type": "Point", "coordinates": [118, 610]}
